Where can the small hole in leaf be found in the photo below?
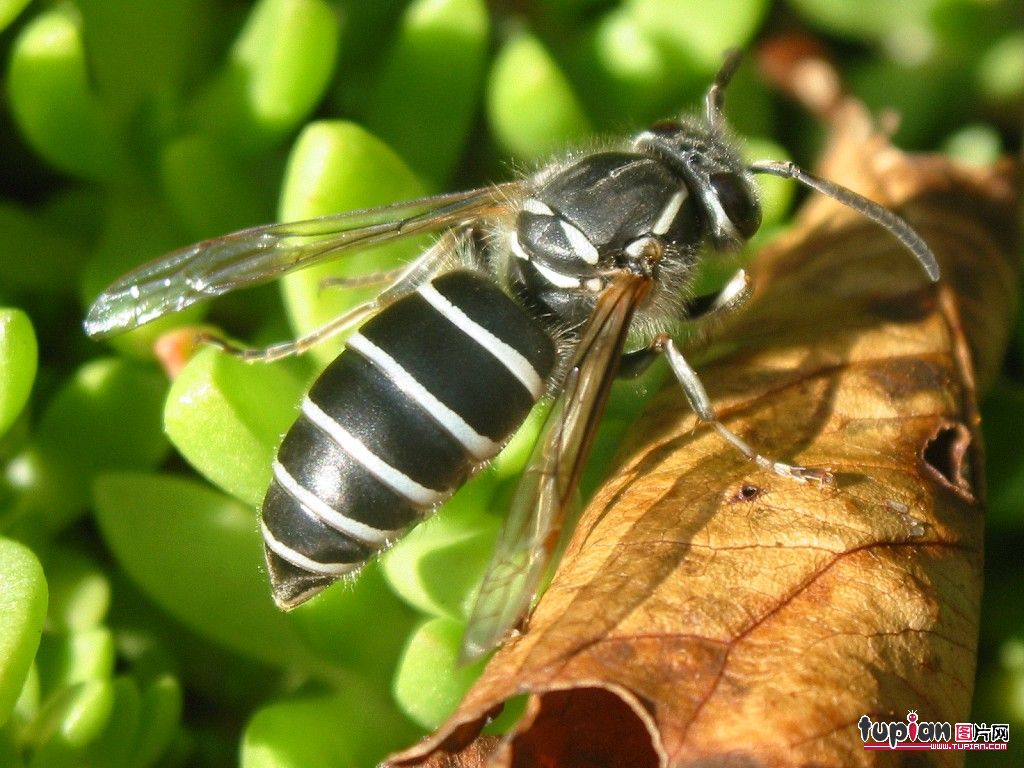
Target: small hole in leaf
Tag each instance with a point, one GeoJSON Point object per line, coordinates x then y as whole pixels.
{"type": "Point", "coordinates": [946, 457]}
{"type": "Point", "coordinates": [747, 492]}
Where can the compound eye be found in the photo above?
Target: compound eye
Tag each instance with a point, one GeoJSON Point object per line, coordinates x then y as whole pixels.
{"type": "Point", "coordinates": [738, 202]}
{"type": "Point", "coordinates": [666, 128]}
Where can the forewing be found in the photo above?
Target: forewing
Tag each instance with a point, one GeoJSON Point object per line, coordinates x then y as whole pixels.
{"type": "Point", "coordinates": [548, 486]}
{"type": "Point", "coordinates": [257, 255]}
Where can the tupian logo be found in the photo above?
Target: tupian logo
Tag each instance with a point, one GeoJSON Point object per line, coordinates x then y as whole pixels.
{"type": "Point", "coordinates": [916, 735]}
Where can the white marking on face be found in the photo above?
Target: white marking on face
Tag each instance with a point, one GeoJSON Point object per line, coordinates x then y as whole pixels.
{"type": "Point", "coordinates": [557, 279]}
{"type": "Point", "coordinates": [642, 247]}
{"type": "Point", "coordinates": [579, 242]}
{"type": "Point", "coordinates": [516, 246]}
{"type": "Point", "coordinates": [669, 212]}
{"type": "Point", "coordinates": [539, 207]}
{"type": "Point", "coordinates": [723, 224]}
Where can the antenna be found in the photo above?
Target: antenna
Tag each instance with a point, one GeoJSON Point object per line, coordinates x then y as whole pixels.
{"type": "Point", "coordinates": [868, 208]}
{"type": "Point", "coordinates": [715, 97]}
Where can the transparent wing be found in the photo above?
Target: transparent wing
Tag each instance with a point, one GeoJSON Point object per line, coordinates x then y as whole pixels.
{"type": "Point", "coordinates": [548, 486]}
{"type": "Point", "coordinates": [253, 256]}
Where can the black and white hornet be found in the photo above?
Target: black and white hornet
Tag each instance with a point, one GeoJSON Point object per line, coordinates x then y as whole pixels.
{"type": "Point", "coordinates": [529, 291]}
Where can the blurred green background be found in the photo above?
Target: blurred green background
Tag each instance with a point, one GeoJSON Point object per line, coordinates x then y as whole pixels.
{"type": "Point", "coordinates": [136, 627]}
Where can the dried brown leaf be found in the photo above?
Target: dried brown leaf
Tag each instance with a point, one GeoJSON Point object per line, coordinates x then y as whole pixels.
{"type": "Point", "coordinates": [708, 613]}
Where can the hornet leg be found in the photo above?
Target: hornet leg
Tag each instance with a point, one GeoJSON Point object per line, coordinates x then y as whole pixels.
{"type": "Point", "coordinates": [701, 404]}
{"type": "Point", "coordinates": [403, 281]}
{"type": "Point", "coordinates": [698, 310]}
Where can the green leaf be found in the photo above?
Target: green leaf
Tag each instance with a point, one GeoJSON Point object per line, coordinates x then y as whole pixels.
{"type": "Point", "coordinates": [278, 70]}
{"type": "Point", "coordinates": [77, 657]}
{"type": "Point", "coordinates": [921, 94]}
{"type": "Point", "coordinates": [197, 554]}
{"type": "Point", "coordinates": [357, 728]}
{"type": "Point", "coordinates": [624, 74]}
{"type": "Point", "coordinates": [433, 73]}
{"type": "Point", "coordinates": [1004, 469]}
{"type": "Point", "coordinates": [22, 611]}
{"type": "Point", "coordinates": [30, 699]}
{"type": "Point", "coordinates": [211, 192]}
{"type": "Point", "coordinates": [50, 97]}
{"type": "Point", "coordinates": [359, 624]}
{"type": "Point", "coordinates": [437, 566]}
{"type": "Point", "coordinates": [227, 416]}
{"type": "Point", "coordinates": [154, 645]}
{"type": "Point", "coordinates": [513, 457]}
{"type": "Point", "coordinates": [430, 683]}
{"type": "Point", "coordinates": [868, 19]}
{"type": "Point", "coordinates": [978, 145]}
{"type": "Point", "coordinates": [160, 715]}
{"type": "Point", "coordinates": [113, 746]}
{"type": "Point", "coordinates": [696, 31]}
{"type": "Point", "coordinates": [107, 416]}
{"type": "Point", "coordinates": [530, 104]}
{"type": "Point", "coordinates": [139, 49]}
{"type": "Point", "coordinates": [70, 722]}
{"type": "Point", "coordinates": [79, 591]}
{"type": "Point", "coordinates": [18, 360]}
{"type": "Point", "coordinates": [46, 260]}
{"type": "Point", "coordinates": [9, 10]}
{"type": "Point", "coordinates": [1001, 70]}
{"type": "Point", "coordinates": [9, 753]}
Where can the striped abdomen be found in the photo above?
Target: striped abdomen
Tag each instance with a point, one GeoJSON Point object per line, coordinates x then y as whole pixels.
{"type": "Point", "coordinates": [426, 390]}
